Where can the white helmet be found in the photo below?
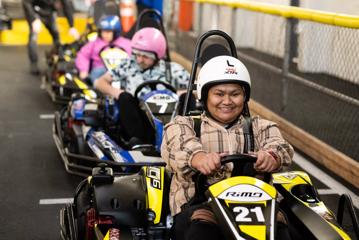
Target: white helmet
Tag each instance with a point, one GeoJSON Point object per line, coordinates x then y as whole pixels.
{"type": "Point", "coordinates": [222, 69]}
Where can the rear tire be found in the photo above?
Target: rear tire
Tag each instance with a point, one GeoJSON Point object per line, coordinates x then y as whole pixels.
{"type": "Point", "coordinates": [83, 204]}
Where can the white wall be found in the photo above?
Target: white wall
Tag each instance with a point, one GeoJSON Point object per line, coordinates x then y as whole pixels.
{"type": "Point", "coordinates": [337, 6]}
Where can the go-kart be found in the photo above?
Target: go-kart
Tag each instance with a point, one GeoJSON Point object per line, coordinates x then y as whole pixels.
{"type": "Point", "coordinates": [247, 207]}
{"type": "Point", "coordinates": [126, 206]}
{"type": "Point", "coordinates": [61, 79]}
{"type": "Point", "coordinates": [86, 132]}
{"type": "Point", "coordinates": [135, 205]}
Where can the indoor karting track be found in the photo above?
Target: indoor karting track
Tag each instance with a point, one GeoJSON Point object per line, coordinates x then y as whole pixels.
{"type": "Point", "coordinates": [33, 181]}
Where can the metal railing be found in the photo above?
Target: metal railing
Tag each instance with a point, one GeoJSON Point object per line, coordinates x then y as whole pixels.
{"type": "Point", "coordinates": [303, 66]}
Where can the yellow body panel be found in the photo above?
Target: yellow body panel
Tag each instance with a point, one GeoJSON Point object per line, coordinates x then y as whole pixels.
{"type": "Point", "coordinates": [219, 187]}
{"type": "Point", "coordinates": [340, 232]}
{"type": "Point", "coordinates": [155, 184]}
{"type": "Point", "coordinates": [259, 231]}
{"type": "Point", "coordinates": [92, 36]}
{"type": "Point", "coordinates": [80, 84]}
{"type": "Point", "coordinates": [107, 236]}
{"type": "Point", "coordinates": [62, 80]}
{"type": "Point", "coordinates": [291, 179]}
{"type": "Point", "coordinates": [89, 93]}
{"type": "Point", "coordinates": [67, 58]}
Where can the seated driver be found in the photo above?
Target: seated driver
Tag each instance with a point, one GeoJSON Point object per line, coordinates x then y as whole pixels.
{"type": "Point", "coordinates": [146, 63]}
{"type": "Point", "coordinates": [88, 59]}
{"type": "Point", "coordinates": [223, 88]}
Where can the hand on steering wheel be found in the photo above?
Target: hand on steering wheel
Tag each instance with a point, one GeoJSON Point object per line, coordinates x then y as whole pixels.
{"type": "Point", "coordinates": [243, 164]}
{"type": "Point", "coordinates": [153, 85]}
{"type": "Point", "coordinates": [266, 162]}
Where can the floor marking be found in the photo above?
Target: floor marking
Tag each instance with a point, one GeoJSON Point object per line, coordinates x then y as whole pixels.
{"type": "Point", "coordinates": [334, 185]}
{"type": "Point", "coordinates": [47, 116]}
{"type": "Point", "coordinates": [53, 201]}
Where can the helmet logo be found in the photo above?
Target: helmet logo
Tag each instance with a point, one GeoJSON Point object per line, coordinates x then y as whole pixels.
{"type": "Point", "coordinates": [230, 69]}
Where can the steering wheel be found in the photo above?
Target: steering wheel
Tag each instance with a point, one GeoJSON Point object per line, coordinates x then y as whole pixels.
{"type": "Point", "coordinates": [152, 84]}
{"type": "Point", "coordinates": [243, 166]}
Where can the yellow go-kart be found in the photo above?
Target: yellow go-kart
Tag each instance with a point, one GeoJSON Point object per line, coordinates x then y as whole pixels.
{"type": "Point", "coordinates": [108, 206]}
{"type": "Point", "coordinates": [247, 207]}
{"type": "Point", "coordinates": [135, 206]}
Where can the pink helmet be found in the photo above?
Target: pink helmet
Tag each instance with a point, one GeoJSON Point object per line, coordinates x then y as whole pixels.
{"type": "Point", "coordinates": [150, 40]}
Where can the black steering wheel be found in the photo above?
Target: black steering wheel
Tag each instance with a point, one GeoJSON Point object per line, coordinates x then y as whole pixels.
{"type": "Point", "coordinates": [152, 84]}
{"type": "Point", "coordinates": [243, 166]}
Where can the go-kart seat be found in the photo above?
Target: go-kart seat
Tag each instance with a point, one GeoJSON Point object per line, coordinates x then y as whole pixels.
{"type": "Point", "coordinates": [124, 200]}
{"type": "Point", "coordinates": [146, 19]}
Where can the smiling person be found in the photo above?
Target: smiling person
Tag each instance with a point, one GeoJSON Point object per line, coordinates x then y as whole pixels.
{"type": "Point", "coordinates": [223, 88]}
{"type": "Point", "coordinates": [146, 63]}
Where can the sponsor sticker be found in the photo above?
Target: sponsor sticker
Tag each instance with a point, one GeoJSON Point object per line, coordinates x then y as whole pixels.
{"type": "Point", "coordinates": [244, 193]}
{"type": "Point", "coordinates": [154, 174]}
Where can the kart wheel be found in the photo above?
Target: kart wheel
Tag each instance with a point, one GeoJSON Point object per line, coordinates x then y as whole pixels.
{"type": "Point", "coordinates": [82, 206]}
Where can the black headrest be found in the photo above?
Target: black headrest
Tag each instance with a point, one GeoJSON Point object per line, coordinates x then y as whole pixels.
{"type": "Point", "coordinates": [212, 51]}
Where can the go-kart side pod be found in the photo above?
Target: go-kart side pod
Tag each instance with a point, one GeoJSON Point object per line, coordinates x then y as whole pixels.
{"type": "Point", "coordinates": [62, 87]}
{"type": "Point", "coordinates": [137, 202]}
{"type": "Point", "coordinates": [129, 205]}
{"type": "Point", "coordinates": [78, 161]}
{"type": "Point", "coordinates": [245, 207]}
{"type": "Point", "coordinates": [304, 208]}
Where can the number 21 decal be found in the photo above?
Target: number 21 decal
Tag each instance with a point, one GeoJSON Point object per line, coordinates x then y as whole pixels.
{"type": "Point", "coordinates": [248, 214]}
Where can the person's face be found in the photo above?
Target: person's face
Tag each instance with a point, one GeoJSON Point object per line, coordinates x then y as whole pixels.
{"type": "Point", "coordinates": [144, 61]}
{"type": "Point", "coordinates": [225, 102]}
{"type": "Point", "coordinates": [107, 35]}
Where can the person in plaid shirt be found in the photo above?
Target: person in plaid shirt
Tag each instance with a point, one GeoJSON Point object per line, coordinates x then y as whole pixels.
{"type": "Point", "coordinates": [223, 88]}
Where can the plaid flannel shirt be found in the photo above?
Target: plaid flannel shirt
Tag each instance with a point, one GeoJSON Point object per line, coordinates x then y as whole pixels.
{"type": "Point", "coordinates": [180, 144]}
